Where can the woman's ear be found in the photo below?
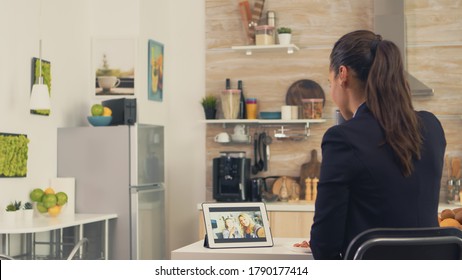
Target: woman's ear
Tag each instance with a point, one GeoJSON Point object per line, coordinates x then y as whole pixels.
{"type": "Point", "coordinates": [343, 75]}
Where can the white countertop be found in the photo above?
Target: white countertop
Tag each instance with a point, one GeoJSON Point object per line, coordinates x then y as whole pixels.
{"type": "Point", "coordinates": [282, 250]}
{"type": "Point", "coordinates": [41, 224]}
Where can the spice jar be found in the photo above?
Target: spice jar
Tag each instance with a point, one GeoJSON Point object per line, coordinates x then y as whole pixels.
{"type": "Point", "coordinates": [251, 108]}
{"type": "Point", "coordinates": [264, 35]}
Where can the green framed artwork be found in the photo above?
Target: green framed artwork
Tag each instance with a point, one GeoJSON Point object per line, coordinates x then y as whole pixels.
{"type": "Point", "coordinates": [13, 155]}
{"type": "Point", "coordinates": [46, 74]}
{"type": "Point", "coordinates": [155, 70]}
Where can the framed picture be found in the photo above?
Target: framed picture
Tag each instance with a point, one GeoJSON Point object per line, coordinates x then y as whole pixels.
{"type": "Point", "coordinates": [240, 224]}
{"type": "Point", "coordinates": [46, 74]}
{"type": "Point", "coordinates": [155, 70]}
{"type": "Point", "coordinates": [13, 155]}
{"type": "Point", "coordinates": [113, 61]}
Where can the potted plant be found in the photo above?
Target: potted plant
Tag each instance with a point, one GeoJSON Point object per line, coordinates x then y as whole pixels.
{"type": "Point", "coordinates": [209, 103]}
{"type": "Point", "coordinates": [284, 35]}
{"type": "Point", "coordinates": [28, 211]}
{"type": "Point", "coordinates": [10, 216]}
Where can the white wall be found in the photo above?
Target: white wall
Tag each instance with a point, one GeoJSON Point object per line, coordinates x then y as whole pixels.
{"type": "Point", "coordinates": [66, 28]}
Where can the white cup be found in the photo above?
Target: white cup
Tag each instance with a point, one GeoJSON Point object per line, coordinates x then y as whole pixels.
{"type": "Point", "coordinates": [108, 82]}
{"type": "Point", "coordinates": [294, 110]}
{"type": "Point", "coordinates": [222, 137]}
{"type": "Point", "coordinates": [239, 130]}
{"type": "Point", "coordinates": [286, 112]}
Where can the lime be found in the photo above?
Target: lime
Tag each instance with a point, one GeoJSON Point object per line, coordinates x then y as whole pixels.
{"type": "Point", "coordinates": [61, 198]}
{"type": "Point", "coordinates": [36, 195]}
{"type": "Point", "coordinates": [42, 209]}
{"type": "Point", "coordinates": [49, 200]}
{"type": "Point", "coordinates": [97, 110]}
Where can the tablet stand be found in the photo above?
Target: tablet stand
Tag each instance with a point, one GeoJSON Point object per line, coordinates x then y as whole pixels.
{"type": "Point", "coordinates": [206, 242]}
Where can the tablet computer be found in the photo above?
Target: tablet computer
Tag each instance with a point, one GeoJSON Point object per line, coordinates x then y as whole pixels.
{"type": "Point", "coordinates": [236, 224]}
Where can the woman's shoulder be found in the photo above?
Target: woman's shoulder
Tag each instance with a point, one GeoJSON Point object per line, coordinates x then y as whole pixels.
{"type": "Point", "coordinates": [427, 117]}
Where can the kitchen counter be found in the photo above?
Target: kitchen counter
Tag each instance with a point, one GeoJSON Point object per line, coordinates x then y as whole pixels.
{"type": "Point", "coordinates": [305, 206]}
{"type": "Point", "coordinates": [282, 250]}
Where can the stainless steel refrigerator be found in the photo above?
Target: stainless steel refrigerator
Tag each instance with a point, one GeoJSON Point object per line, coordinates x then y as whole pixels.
{"type": "Point", "coordinates": [119, 169]}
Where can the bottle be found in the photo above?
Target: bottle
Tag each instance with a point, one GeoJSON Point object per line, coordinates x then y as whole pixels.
{"type": "Point", "coordinates": [271, 18]}
{"type": "Point", "coordinates": [242, 110]}
{"type": "Point", "coordinates": [228, 84]}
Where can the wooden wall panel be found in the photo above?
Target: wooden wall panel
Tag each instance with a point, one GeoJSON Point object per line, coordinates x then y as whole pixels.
{"type": "Point", "coordinates": [434, 47]}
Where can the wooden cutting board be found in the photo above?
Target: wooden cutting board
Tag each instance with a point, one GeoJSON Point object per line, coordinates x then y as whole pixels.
{"type": "Point", "coordinates": [293, 188]}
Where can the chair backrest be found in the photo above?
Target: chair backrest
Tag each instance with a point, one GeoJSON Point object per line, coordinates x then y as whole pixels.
{"type": "Point", "coordinates": [439, 243]}
{"type": "Point", "coordinates": [5, 257]}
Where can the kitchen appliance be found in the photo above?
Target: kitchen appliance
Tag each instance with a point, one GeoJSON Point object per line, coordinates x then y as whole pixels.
{"type": "Point", "coordinates": [390, 23]}
{"type": "Point", "coordinates": [231, 177]}
{"type": "Point", "coordinates": [123, 110]}
{"type": "Point", "coordinates": [119, 169]}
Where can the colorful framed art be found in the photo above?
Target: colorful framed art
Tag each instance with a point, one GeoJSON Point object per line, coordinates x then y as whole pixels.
{"type": "Point", "coordinates": [155, 70]}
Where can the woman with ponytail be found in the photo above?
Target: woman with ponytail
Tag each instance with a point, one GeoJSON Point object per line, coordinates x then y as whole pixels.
{"type": "Point", "coordinates": [382, 167]}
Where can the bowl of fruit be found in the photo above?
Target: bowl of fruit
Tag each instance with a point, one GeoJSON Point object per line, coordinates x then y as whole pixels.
{"type": "Point", "coordinates": [48, 202]}
{"type": "Point", "coordinates": [100, 115]}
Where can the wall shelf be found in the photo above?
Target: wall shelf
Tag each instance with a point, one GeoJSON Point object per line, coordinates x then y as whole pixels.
{"type": "Point", "coordinates": [248, 50]}
{"type": "Point", "coordinates": [307, 122]}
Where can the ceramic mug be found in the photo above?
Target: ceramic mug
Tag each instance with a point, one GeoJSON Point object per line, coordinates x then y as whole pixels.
{"type": "Point", "coordinates": [222, 137]}
{"type": "Point", "coordinates": [108, 82]}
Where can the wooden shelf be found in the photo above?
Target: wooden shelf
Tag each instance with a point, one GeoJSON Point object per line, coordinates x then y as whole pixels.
{"type": "Point", "coordinates": [306, 122]}
{"type": "Point", "coordinates": [248, 50]}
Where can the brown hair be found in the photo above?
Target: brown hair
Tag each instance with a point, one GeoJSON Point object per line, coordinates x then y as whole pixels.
{"type": "Point", "coordinates": [378, 65]}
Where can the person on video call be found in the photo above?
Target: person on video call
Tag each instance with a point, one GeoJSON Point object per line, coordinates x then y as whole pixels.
{"type": "Point", "coordinates": [382, 167]}
{"type": "Point", "coordinates": [231, 231]}
{"type": "Point", "coordinates": [250, 229]}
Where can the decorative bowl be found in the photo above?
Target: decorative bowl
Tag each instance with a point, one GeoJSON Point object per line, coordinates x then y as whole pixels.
{"type": "Point", "coordinates": [99, 120]}
{"type": "Point", "coordinates": [270, 115]}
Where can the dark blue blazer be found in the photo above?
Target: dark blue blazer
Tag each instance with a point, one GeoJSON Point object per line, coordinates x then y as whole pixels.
{"type": "Point", "coordinates": [361, 185]}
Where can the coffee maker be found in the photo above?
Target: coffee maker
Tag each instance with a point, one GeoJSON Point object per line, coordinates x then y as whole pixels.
{"type": "Point", "coordinates": [231, 177]}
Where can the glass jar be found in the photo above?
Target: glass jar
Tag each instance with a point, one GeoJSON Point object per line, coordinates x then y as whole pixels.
{"type": "Point", "coordinates": [312, 108]}
{"type": "Point", "coordinates": [230, 103]}
{"type": "Point", "coordinates": [264, 35]}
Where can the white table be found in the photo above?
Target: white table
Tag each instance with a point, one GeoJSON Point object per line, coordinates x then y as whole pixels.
{"type": "Point", "coordinates": [280, 251]}
{"type": "Point", "coordinates": [45, 224]}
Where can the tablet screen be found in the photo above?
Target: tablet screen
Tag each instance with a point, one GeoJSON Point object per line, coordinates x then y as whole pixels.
{"type": "Point", "coordinates": [231, 225]}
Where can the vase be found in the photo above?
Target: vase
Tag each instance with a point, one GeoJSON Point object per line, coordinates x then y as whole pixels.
{"type": "Point", "coordinates": [28, 215]}
{"type": "Point", "coordinates": [10, 217]}
{"type": "Point", "coordinates": [210, 113]}
{"type": "Point", "coordinates": [284, 38]}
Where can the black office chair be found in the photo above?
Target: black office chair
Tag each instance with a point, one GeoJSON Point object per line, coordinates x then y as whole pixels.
{"type": "Point", "coordinates": [440, 243]}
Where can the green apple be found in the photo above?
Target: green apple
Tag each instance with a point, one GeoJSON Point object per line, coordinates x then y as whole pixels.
{"type": "Point", "coordinates": [97, 110]}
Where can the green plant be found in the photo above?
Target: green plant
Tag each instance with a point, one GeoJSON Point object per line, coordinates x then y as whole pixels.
{"type": "Point", "coordinates": [13, 206]}
{"type": "Point", "coordinates": [282, 30]}
{"type": "Point", "coordinates": [27, 205]}
{"type": "Point", "coordinates": [209, 102]}
{"type": "Point", "coordinates": [13, 155]}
